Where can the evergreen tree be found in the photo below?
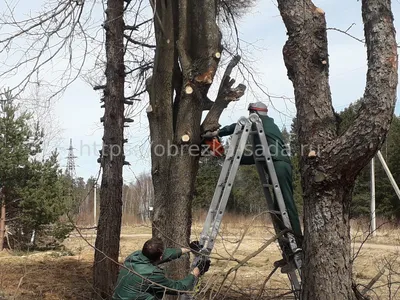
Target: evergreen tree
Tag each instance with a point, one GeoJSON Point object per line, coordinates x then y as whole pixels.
{"type": "Point", "coordinates": [393, 160]}
{"type": "Point", "coordinates": [295, 153]}
{"type": "Point", "coordinates": [387, 202]}
{"type": "Point", "coordinates": [247, 192]}
{"type": "Point", "coordinates": [206, 181]}
{"type": "Point", "coordinates": [286, 135]}
{"type": "Point", "coordinates": [44, 197]}
{"type": "Point", "coordinates": [294, 144]}
{"type": "Point", "coordinates": [18, 144]}
{"type": "Point", "coordinates": [348, 115]}
{"type": "Point", "coordinates": [247, 197]}
{"type": "Point", "coordinates": [34, 190]}
{"type": "Point", "coordinates": [297, 189]}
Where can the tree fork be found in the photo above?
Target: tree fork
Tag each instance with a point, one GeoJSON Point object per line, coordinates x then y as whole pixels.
{"type": "Point", "coordinates": [333, 161]}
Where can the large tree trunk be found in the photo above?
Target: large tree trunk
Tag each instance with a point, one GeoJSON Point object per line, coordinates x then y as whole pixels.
{"type": "Point", "coordinates": [331, 162]}
{"type": "Point", "coordinates": [327, 269]}
{"type": "Point", "coordinates": [175, 122]}
{"type": "Point", "coordinates": [112, 159]}
{"type": "Point", "coordinates": [187, 56]}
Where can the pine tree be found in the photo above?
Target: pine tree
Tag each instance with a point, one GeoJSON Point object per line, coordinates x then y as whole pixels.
{"type": "Point", "coordinates": [34, 190]}
{"type": "Point", "coordinates": [18, 143]}
{"type": "Point", "coordinates": [387, 202]}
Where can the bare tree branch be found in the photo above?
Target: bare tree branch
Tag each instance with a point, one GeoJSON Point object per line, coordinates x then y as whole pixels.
{"type": "Point", "coordinates": [139, 43]}
{"type": "Point", "coordinates": [346, 33]}
{"type": "Point", "coordinates": [226, 94]}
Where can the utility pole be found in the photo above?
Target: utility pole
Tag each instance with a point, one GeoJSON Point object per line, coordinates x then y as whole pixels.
{"type": "Point", "coordinates": [373, 218]}
{"type": "Point", "coordinates": [95, 204]}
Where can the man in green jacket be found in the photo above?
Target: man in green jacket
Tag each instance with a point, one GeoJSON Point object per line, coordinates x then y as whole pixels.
{"type": "Point", "coordinates": [280, 157]}
{"type": "Point", "coordinates": [142, 279]}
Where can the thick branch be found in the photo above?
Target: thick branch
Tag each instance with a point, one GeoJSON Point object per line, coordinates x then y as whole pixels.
{"type": "Point", "coordinates": [207, 104]}
{"type": "Point", "coordinates": [306, 59]}
{"type": "Point", "coordinates": [226, 94]}
{"type": "Point", "coordinates": [359, 143]}
{"type": "Point", "coordinates": [182, 43]}
{"type": "Point", "coordinates": [158, 87]}
{"type": "Point", "coordinates": [200, 38]}
{"type": "Point", "coordinates": [233, 63]}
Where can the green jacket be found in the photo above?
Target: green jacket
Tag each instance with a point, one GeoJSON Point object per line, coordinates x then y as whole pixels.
{"type": "Point", "coordinates": [133, 287]}
{"type": "Point", "coordinates": [274, 138]}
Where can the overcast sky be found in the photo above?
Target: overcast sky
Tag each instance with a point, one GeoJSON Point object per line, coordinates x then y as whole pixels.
{"type": "Point", "coordinates": [263, 34]}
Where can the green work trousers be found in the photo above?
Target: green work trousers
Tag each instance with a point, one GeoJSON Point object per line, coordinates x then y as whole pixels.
{"type": "Point", "coordinates": [284, 173]}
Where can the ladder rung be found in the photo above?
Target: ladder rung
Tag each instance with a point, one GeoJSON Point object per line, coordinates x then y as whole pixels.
{"type": "Point", "coordinates": [267, 185]}
{"type": "Point", "coordinates": [260, 158]}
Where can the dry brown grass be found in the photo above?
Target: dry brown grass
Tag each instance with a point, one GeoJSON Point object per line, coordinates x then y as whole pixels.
{"type": "Point", "coordinates": [51, 277]}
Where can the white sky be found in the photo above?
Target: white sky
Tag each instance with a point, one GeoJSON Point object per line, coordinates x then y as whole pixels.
{"type": "Point", "coordinates": [77, 114]}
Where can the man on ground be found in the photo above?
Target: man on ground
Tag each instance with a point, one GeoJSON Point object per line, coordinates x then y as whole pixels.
{"type": "Point", "coordinates": [142, 279]}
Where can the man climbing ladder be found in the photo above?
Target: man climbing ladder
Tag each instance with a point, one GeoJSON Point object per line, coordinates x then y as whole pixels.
{"type": "Point", "coordinates": [265, 161]}
{"type": "Point", "coordinates": [281, 162]}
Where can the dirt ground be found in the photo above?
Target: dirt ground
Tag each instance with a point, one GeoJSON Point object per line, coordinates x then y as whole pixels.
{"type": "Point", "coordinates": [56, 275]}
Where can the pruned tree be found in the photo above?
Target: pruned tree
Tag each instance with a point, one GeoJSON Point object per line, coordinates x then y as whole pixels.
{"type": "Point", "coordinates": [332, 161]}
{"type": "Point", "coordinates": [66, 32]}
{"type": "Point", "coordinates": [126, 65]}
{"type": "Point", "coordinates": [188, 53]}
{"type": "Point", "coordinates": [105, 271]}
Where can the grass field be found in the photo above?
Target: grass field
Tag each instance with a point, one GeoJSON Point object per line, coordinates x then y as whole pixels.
{"type": "Point", "coordinates": [56, 275]}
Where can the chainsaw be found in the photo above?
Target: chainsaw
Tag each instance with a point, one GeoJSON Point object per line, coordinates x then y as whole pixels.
{"type": "Point", "coordinates": [214, 146]}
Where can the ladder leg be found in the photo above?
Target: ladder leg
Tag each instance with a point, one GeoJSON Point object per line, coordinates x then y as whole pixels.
{"type": "Point", "coordinates": [226, 168]}
{"type": "Point", "coordinates": [270, 175]}
{"type": "Point", "coordinates": [274, 179]}
{"type": "Point", "coordinates": [222, 192]}
{"type": "Point", "coordinates": [212, 232]}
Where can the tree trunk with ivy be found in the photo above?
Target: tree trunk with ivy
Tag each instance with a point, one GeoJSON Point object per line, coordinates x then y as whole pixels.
{"type": "Point", "coordinates": [187, 56]}
{"type": "Point", "coordinates": [330, 161]}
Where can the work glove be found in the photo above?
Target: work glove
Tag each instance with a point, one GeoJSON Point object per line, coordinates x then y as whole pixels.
{"type": "Point", "coordinates": [195, 246]}
{"type": "Point", "coordinates": [210, 134]}
{"type": "Point", "coordinates": [203, 265]}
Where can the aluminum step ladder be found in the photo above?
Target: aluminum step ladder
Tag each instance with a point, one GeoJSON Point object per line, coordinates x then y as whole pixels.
{"type": "Point", "coordinates": [245, 128]}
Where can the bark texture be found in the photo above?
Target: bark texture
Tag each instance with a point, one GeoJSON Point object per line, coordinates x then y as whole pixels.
{"type": "Point", "coordinates": [186, 59]}
{"type": "Point", "coordinates": [328, 176]}
{"type": "Point", "coordinates": [105, 271]}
